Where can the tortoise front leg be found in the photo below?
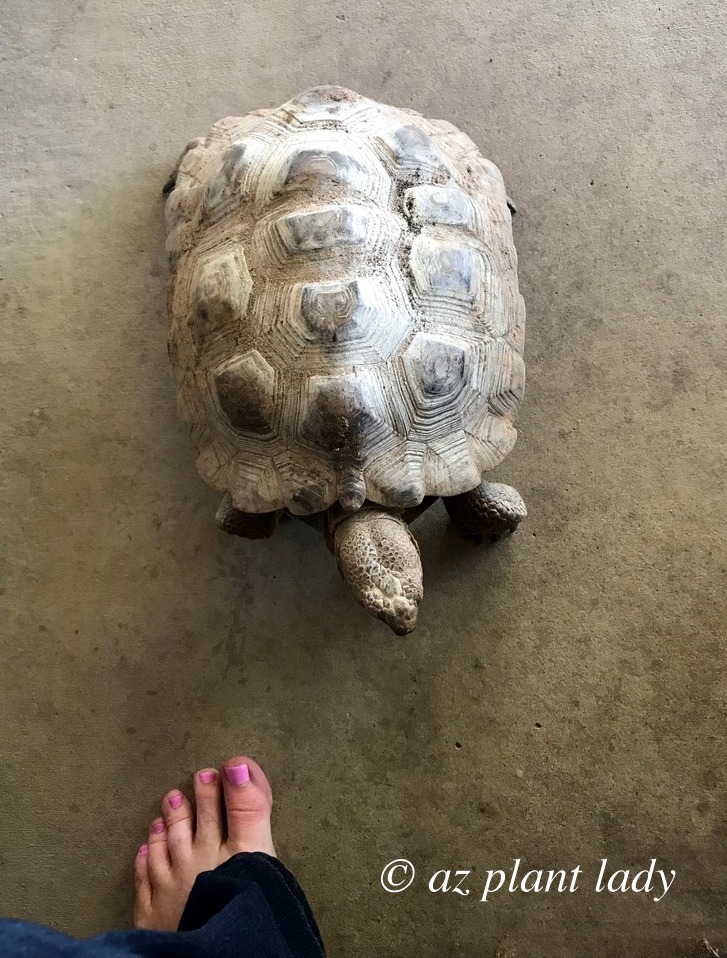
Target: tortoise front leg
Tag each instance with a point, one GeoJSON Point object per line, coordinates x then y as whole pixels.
{"type": "Point", "coordinates": [250, 525]}
{"type": "Point", "coordinates": [487, 512]}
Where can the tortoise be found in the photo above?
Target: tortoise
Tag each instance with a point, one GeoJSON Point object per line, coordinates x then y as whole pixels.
{"type": "Point", "coordinates": [346, 330]}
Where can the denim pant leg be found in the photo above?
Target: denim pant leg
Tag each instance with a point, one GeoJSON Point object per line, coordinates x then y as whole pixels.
{"type": "Point", "coordinates": [249, 907]}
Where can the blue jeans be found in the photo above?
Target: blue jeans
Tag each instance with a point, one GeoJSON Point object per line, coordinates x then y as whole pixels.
{"type": "Point", "coordinates": [250, 907]}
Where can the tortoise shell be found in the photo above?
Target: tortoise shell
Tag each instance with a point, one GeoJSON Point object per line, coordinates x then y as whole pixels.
{"type": "Point", "coordinates": [345, 317]}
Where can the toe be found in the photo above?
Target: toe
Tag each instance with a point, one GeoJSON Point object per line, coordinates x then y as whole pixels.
{"type": "Point", "coordinates": [142, 885]}
{"type": "Point", "coordinates": [208, 798]}
{"type": "Point", "coordinates": [179, 819]}
{"type": "Point", "coordinates": [248, 804]}
{"type": "Point", "coordinates": [158, 861]}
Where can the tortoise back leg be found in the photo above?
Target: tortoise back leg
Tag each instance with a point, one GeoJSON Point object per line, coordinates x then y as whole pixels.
{"type": "Point", "coordinates": [487, 512]}
{"type": "Point", "coordinates": [172, 181]}
{"type": "Point", "coordinates": [379, 559]}
{"type": "Point", "coordinates": [250, 525]}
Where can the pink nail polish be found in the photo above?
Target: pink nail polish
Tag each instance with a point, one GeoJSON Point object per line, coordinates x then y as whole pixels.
{"type": "Point", "coordinates": [237, 774]}
{"type": "Point", "coordinates": [143, 849]}
{"type": "Point", "coordinates": [207, 777]}
{"type": "Point", "coordinates": [158, 828]}
{"type": "Point", "coordinates": [175, 801]}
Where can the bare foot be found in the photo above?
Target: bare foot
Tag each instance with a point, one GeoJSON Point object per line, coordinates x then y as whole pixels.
{"type": "Point", "coordinates": [184, 841]}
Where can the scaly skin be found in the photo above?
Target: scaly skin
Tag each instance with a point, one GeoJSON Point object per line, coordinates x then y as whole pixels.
{"type": "Point", "coordinates": [487, 512]}
{"type": "Point", "coordinates": [249, 525]}
{"type": "Point", "coordinates": [379, 559]}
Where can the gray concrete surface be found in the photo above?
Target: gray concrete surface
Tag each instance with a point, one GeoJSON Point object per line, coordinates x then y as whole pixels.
{"type": "Point", "coordinates": [563, 699]}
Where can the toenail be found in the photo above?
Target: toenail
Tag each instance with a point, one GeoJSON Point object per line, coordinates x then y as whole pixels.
{"type": "Point", "coordinates": [175, 801]}
{"type": "Point", "coordinates": [207, 777]}
{"type": "Point", "coordinates": [237, 774]}
{"type": "Point", "coordinates": [158, 828]}
{"type": "Point", "coordinates": [143, 849]}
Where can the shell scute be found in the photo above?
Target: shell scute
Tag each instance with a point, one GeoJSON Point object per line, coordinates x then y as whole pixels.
{"type": "Point", "coordinates": [233, 177]}
{"type": "Point", "coordinates": [322, 229]}
{"type": "Point", "coordinates": [246, 392]}
{"type": "Point", "coordinates": [319, 326]}
{"type": "Point", "coordinates": [344, 416]}
{"type": "Point", "coordinates": [447, 273]}
{"type": "Point", "coordinates": [222, 293]}
{"type": "Point", "coordinates": [413, 155]}
{"type": "Point", "coordinates": [327, 162]}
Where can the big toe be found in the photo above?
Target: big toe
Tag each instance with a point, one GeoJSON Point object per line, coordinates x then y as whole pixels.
{"type": "Point", "coordinates": [248, 805]}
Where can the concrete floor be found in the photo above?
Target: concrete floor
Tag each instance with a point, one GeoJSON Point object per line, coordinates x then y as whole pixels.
{"type": "Point", "coordinates": [563, 699]}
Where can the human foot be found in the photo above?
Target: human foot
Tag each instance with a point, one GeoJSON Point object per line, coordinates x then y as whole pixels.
{"type": "Point", "coordinates": [232, 815]}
